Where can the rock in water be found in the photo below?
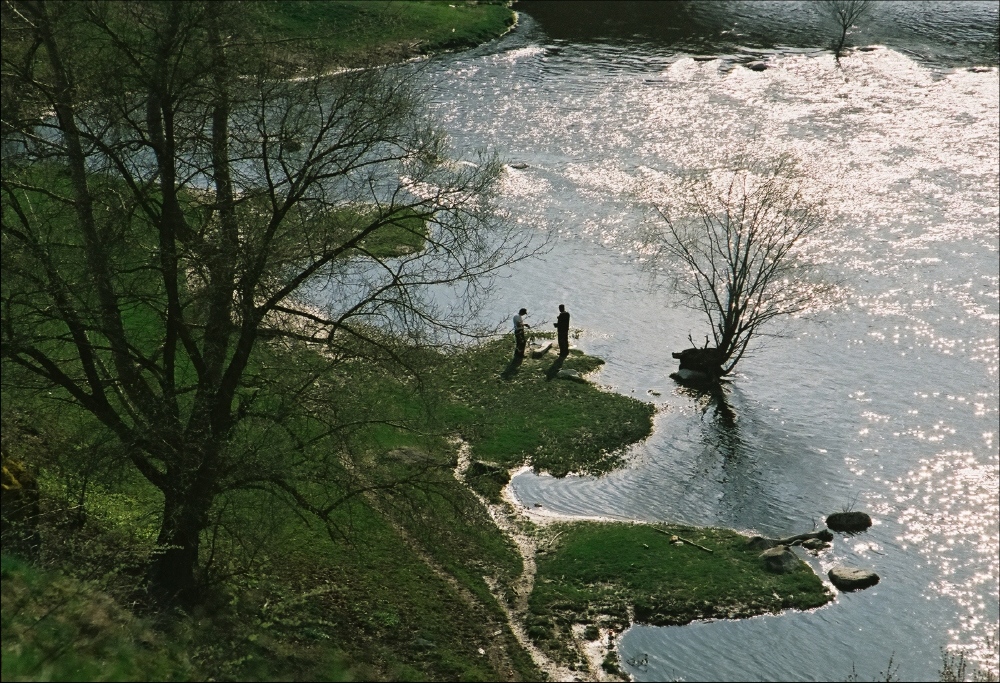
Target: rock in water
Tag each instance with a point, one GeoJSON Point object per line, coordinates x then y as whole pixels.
{"type": "Point", "coordinates": [849, 521]}
{"type": "Point", "coordinates": [815, 544]}
{"type": "Point", "coordinates": [852, 578]}
{"type": "Point", "coordinates": [690, 376]}
{"type": "Point", "coordinates": [779, 560]}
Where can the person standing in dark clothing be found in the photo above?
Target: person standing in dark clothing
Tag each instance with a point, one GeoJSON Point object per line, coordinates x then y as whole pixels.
{"type": "Point", "coordinates": [562, 330]}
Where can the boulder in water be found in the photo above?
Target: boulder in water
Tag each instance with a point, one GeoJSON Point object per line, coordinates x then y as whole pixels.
{"type": "Point", "coordinates": [849, 521]}
{"type": "Point", "coordinates": [852, 578]}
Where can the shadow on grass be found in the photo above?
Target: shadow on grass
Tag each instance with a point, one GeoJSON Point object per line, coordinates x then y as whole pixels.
{"type": "Point", "coordinates": [512, 367]}
{"type": "Point", "coordinates": [553, 369]}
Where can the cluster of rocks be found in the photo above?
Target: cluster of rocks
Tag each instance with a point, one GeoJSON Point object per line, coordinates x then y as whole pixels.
{"type": "Point", "coordinates": [779, 558]}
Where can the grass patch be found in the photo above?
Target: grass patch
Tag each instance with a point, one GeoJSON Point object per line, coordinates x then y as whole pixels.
{"type": "Point", "coordinates": [56, 628]}
{"type": "Point", "coordinates": [346, 30]}
{"type": "Point", "coordinates": [529, 416]}
{"type": "Point", "coordinates": [596, 573]}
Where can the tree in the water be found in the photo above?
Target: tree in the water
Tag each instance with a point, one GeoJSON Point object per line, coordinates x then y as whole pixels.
{"type": "Point", "coordinates": [845, 14]}
{"type": "Point", "coordinates": [201, 249]}
{"type": "Point", "coordinates": [732, 244]}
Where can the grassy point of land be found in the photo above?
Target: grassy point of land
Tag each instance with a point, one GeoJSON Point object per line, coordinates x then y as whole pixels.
{"type": "Point", "coordinates": [528, 416]}
{"type": "Point", "coordinates": [605, 575]}
{"type": "Point", "coordinates": [387, 30]}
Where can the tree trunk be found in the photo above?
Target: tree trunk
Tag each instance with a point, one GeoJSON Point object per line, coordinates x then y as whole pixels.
{"type": "Point", "coordinates": [840, 45]}
{"type": "Point", "coordinates": [173, 574]}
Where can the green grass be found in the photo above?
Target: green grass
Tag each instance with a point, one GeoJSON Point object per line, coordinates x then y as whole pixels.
{"type": "Point", "coordinates": [529, 417]}
{"type": "Point", "coordinates": [56, 628]}
{"type": "Point", "coordinates": [596, 573]}
{"type": "Point", "coordinates": [346, 30]}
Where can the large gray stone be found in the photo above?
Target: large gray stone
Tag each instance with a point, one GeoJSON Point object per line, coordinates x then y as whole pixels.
{"type": "Point", "coordinates": [779, 560]}
{"type": "Point", "coordinates": [571, 374]}
{"type": "Point", "coordinates": [852, 578]}
{"type": "Point", "coordinates": [849, 521]}
{"type": "Point", "coordinates": [761, 543]}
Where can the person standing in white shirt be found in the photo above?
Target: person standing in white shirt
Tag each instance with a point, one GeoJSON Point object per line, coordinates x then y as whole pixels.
{"type": "Point", "coordinates": [520, 336]}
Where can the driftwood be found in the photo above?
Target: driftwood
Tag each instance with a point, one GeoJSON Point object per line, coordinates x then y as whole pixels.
{"type": "Point", "coordinates": [539, 351]}
{"type": "Point", "coordinates": [762, 543]}
{"type": "Point", "coordinates": [675, 537]}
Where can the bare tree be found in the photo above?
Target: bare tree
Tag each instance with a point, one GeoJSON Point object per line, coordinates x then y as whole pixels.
{"type": "Point", "coordinates": [181, 207]}
{"type": "Point", "coordinates": [845, 13]}
{"type": "Point", "coordinates": [732, 244]}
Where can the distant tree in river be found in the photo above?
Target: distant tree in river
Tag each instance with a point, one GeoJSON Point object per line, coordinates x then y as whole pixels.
{"type": "Point", "coordinates": [731, 242]}
{"type": "Point", "coordinates": [845, 13]}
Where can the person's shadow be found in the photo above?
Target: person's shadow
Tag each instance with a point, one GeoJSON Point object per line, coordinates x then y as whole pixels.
{"type": "Point", "coordinates": [553, 370]}
{"type": "Point", "coordinates": [512, 367]}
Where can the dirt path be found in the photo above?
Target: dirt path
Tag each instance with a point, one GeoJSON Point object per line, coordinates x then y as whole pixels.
{"type": "Point", "coordinates": [519, 524]}
{"type": "Point", "coordinates": [494, 650]}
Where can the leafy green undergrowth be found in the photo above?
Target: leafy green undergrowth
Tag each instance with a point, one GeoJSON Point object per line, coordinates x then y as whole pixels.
{"type": "Point", "coordinates": [56, 628]}
{"type": "Point", "coordinates": [393, 614]}
{"type": "Point", "coordinates": [595, 573]}
{"type": "Point", "coordinates": [527, 415]}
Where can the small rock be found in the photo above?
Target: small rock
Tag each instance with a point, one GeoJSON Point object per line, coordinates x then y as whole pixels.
{"type": "Point", "coordinates": [849, 521]}
{"type": "Point", "coordinates": [571, 374]}
{"type": "Point", "coordinates": [815, 544]}
{"type": "Point", "coordinates": [520, 166]}
{"type": "Point", "coordinates": [653, 392]}
{"type": "Point", "coordinates": [761, 543]}
{"type": "Point", "coordinates": [867, 48]}
{"type": "Point", "coordinates": [852, 578]}
{"type": "Point", "coordinates": [757, 66]}
{"type": "Point", "coordinates": [779, 560]}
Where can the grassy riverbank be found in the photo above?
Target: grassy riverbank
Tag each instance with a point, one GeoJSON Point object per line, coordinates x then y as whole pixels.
{"type": "Point", "coordinates": [599, 574]}
{"type": "Point", "coordinates": [404, 592]}
{"type": "Point", "coordinates": [346, 31]}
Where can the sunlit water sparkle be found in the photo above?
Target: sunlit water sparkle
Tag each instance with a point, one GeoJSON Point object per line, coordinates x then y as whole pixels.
{"type": "Point", "coordinates": [888, 403]}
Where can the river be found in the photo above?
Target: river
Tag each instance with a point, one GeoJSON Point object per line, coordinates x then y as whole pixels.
{"type": "Point", "coordinates": [887, 402]}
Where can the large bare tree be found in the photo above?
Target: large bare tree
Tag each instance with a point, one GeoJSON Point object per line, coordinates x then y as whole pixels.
{"type": "Point", "coordinates": [731, 240]}
{"type": "Point", "coordinates": [845, 14]}
{"type": "Point", "coordinates": [181, 205]}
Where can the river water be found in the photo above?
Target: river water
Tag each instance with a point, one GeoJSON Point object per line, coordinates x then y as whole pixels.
{"type": "Point", "coordinates": [886, 403]}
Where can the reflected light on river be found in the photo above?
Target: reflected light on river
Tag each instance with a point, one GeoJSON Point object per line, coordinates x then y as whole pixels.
{"type": "Point", "coordinates": [889, 400]}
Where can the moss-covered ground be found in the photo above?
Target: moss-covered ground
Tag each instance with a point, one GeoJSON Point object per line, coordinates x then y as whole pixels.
{"type": "Point", "coordinates": [598, 573]}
